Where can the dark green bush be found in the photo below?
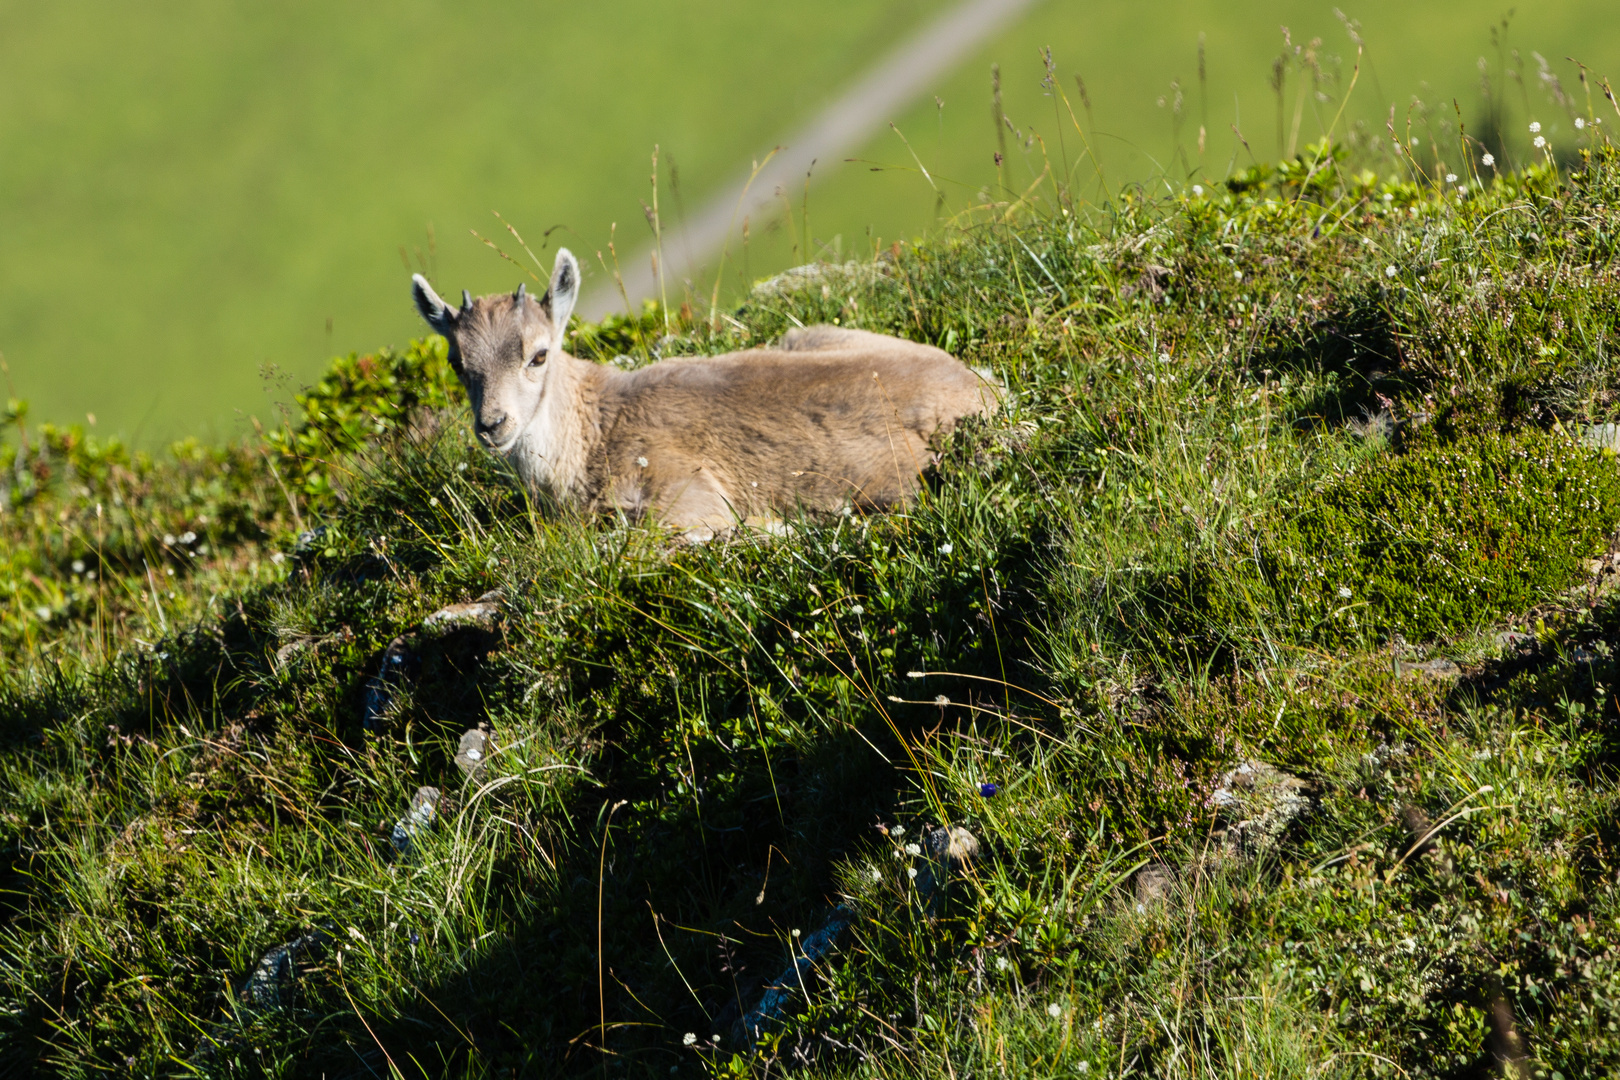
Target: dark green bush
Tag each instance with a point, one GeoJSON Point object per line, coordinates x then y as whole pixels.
{"type": "Point", "coordinates": [1444, 538]}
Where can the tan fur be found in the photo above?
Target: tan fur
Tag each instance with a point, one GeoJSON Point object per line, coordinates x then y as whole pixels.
{"type": "Point", "coordinates": [831, 417]}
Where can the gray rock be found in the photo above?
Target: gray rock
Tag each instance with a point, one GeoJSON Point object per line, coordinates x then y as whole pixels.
{"type": "Point", "coordinates": [784, 990]}
{"type": "Point", "coordinates": [1433, 669]}
{"type": "Point", "coordinates": [1512, 640]}
{"type": "Point", "coordinates": [393, 670]}
{"type": "Point", "coordinates": [417, 820]}
{"type": "Point", "coordinates": [1258, 801]}
{"type": "Point", "coordinates": [472, 756]}
{"type": "Point", "coordinates": [949, 851]}
{"type": "Point", "coordinates": [954, 847]}
{"type": "Point", "coordinates": [1602, 437]}
{"type": "Point", "coordinates": [1153, 884]}
{"type": "Point", "coordinates": [273, 978]}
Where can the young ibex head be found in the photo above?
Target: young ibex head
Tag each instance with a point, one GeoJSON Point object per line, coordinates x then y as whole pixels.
{"type": "Point", "coordinates": [499, 346]}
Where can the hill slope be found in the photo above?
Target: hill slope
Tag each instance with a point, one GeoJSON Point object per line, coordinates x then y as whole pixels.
{"type": "Point", "coordinates": [1261, 653]}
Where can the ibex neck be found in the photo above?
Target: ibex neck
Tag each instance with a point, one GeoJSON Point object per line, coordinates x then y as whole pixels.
{"type": "Point", "coordinates": [556, 446]}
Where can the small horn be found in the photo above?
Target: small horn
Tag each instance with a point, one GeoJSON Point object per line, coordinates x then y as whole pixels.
{"type": "Point", "coordinates": [466, 300]}
{"type": "Point", "coordinates": [518, 296]}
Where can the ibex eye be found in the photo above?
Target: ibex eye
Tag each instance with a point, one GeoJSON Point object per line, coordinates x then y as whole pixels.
{"type": "Point", "coordinates": [538, 358]}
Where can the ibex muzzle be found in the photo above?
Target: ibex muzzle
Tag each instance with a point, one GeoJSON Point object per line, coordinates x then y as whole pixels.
{"type": "Point", "coordinates": [830, 418]}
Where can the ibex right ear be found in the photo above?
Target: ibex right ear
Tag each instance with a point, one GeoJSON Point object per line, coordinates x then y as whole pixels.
{"type": "Point", "coordinates": [439, 315]}
{"type": "Point", "coordinates": [563, 292]}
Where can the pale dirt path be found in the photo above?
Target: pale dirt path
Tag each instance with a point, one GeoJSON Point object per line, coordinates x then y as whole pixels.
{"type": "Point", "coordinates": [840, 130]}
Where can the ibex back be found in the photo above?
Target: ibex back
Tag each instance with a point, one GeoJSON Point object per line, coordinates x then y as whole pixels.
{"type": "Point", "coordinates": [832, 417]}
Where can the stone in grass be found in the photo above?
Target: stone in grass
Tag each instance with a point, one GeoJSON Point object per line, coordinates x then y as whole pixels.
{"type": "Point", "coordinates": [274, 976]}
{"type": "Point", "coordinates": [472, 756]}
{"type": "Point", "coordinates": [949, 851]}
{"type": "Point", "coordinates": [480, 614]}
{"type": "Point", "coordinates": [392, 671]}
{"type": "Point", "coordinates": [782, 992]}
{"type": "Point", "coordinates": [1153, 884]}
{"type": "Point", "coordinates": [417, 820]}
{"type": "Point", "coordinates": [1602, 437]}
{"type": "Point", "coordinates": [1439, 669]}
{"type": "Point", "coordinates": [270, 985]}
{"type": "Point", "coordinates": [1258, 801]}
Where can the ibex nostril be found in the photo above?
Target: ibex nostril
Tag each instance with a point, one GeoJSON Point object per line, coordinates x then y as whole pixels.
{"type": "Point", "coordinates": [487, 428]}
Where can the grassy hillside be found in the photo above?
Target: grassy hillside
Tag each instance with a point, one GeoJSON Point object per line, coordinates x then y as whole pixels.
{"type": "Point", "coordinates": [1261, 652]}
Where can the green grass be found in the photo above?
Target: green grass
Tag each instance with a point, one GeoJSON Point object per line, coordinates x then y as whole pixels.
{"type": "Point", "coordinates": [704, 753]}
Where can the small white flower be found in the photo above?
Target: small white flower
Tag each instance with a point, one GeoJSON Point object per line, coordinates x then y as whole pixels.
{"type": "Point", "coordinates": [913, 850]}
{"type": "Point", "coordinates": [1344, 592]}
{"type": "Point", "coordinates": [715, 1039]}
{"type": "Point", "coordinates": [1198, 189]}
{"type": "Point", "coordinates": [856, 609]}
{"type": "Point", "coordinates": [877, 875]}
{"type": "Point", "coordinates": [1580, 123]}
{"type": "Point", "coordinates": [1164, 358]}
{"type": "Point", "coordinates": [1002, 964]}
{"type": "Point", "coordinates": [689, 1039]}
{"type": "Point", "coordinates": [43, 614]}
{"type": "Point", "coordinates": [1540, 141]}
{"type": "Point", "coordinates": [946, 548]}
{"type": "Point", "coordinates": [1535, 126]}
{"type": "Point", "coordinates": [78, 566]}
{"type": "Point", "coordinates": [168, 540]}
{"type": "Point", "coordinates": [434, 501]}
{"type": "Point", "coordinates": [1083, 1067]}
{"type": "Point", "coordinates": [462, 467]}
{"type": "Point", "coordinates": [1237, 275]}
{"type": "Point", "coordinates": [1489, 161]}
{"type": "Point", "coordinates": [1451, 178]}
{"type": "Point", "coordinates": [796, 933]}
{"type": "Point", "coordinates": [1390, 271]}
{"type": "Point", "coordinates": [642, 462]}
{"type": "Point", "coordinates": [1054, 1010]}
{"type": "Point", "coordinates": [188, 537]}
{"type": "Point", "coordinates": [899, 830]}
{"type": "Point", "coordinates": [1389, 196]}
{"type": "Point", "coordinates": [911, 872]}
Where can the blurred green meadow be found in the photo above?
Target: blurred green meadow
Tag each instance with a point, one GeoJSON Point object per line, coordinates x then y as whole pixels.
{"type": "Point", "coordinates": [200, 203]}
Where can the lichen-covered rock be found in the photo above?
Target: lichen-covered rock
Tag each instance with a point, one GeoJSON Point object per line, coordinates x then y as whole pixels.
{"type": "Point", "coordinates": [1258, 801]}
{"type": "Point", "coordinates": [472, 755]}
{"type": "Point", "coordinates": [417, 820]}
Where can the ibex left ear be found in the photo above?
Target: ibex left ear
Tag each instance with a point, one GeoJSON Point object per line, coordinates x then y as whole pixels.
{"type": "Point", "coordinates": [562, 294]}
{"type": "Point", "coordinates": [439, 315]}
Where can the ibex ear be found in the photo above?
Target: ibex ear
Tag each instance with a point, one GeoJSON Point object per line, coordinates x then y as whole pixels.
{"type": "Point", "coordinates": [439, 315]}
{"type": "Point", "coordinates": [562, 294]}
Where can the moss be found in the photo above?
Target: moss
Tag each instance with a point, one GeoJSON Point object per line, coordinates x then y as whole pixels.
{"type": "Point", "coordinates": [1444, 538]}
{"type": "Point", "coordinates": [1429, 543]}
